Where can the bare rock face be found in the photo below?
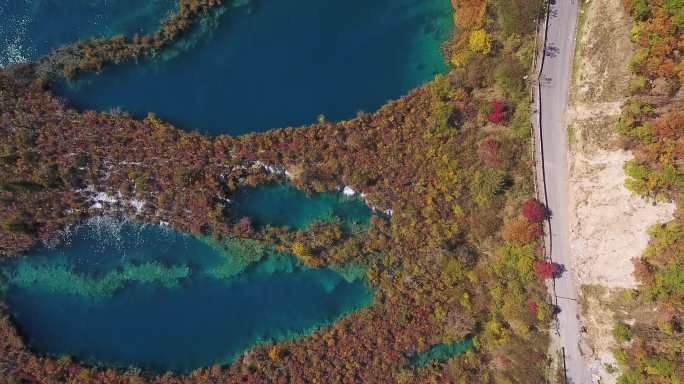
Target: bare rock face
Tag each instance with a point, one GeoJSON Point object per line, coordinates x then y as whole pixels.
{"type": "Point", "coordinates": [609, 222]}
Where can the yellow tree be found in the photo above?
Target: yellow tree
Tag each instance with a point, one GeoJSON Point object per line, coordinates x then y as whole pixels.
{"type": "Point", "coordinates": [480, 42]}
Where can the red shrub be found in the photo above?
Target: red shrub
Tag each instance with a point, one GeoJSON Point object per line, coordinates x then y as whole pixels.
{"type": "Point", "coordinates": [488, 150]}
{"type": "Point", "coordinates": [534, 211]}
{"type": "Point", "coordinates": [496, 116]}
{"type": "Point", "coordinates": [533, 306]}
{"type": "Point", "coordinates": [545, 269]}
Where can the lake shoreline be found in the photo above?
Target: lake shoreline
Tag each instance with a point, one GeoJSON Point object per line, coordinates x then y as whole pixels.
{"type": "Point", "coordinates": [149, 271]}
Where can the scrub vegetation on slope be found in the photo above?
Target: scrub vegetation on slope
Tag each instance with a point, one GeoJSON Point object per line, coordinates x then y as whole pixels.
{"type": "Point", "coordinates": [652, 123]}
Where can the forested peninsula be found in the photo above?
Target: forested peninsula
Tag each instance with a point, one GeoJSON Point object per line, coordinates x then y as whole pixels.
{"type": "Point", "coordinates": [458, 258]}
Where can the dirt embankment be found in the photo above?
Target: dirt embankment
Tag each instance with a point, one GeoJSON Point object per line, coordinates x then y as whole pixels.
{"type": "Point", "coordinates": [608, 223]}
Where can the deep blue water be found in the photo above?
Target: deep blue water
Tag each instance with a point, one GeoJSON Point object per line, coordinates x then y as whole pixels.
{"type": "Point", "coordinates": [282, 205]}
{"type": "Point", "coordinates": [30, 29]}
{"type": "Point", "coordinates": [195, 319]}
{"type": "Point", "coordinates": [274, 64]}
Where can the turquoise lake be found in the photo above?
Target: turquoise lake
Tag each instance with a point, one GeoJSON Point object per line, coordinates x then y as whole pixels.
{"type": "Point", "coordinates": [273, 64]}
{"type": "Point", "coordinates": [441, 352]}
{"type": "Point", "coordinates": [281, 205]}
{"type": "Point", "coordinates": [30, 29]}
{"type": "Point", "coordinates": [124, 294]}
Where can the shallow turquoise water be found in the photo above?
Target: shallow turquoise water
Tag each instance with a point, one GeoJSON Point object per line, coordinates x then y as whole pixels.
{"type": "Point", "coordinates": [30, 29]}
{"type": "Point", "coordinates": [273, 64]}
{"type": "Point", "coordinates": [160, 319]}
{"type": "Point", "coordinates": [281, 205]}
{"type": "Point", "coordinates": [441, 352]}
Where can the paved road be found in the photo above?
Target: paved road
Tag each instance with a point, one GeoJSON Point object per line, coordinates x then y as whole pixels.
{"type": "Point", "coordinates": [554, 89]}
